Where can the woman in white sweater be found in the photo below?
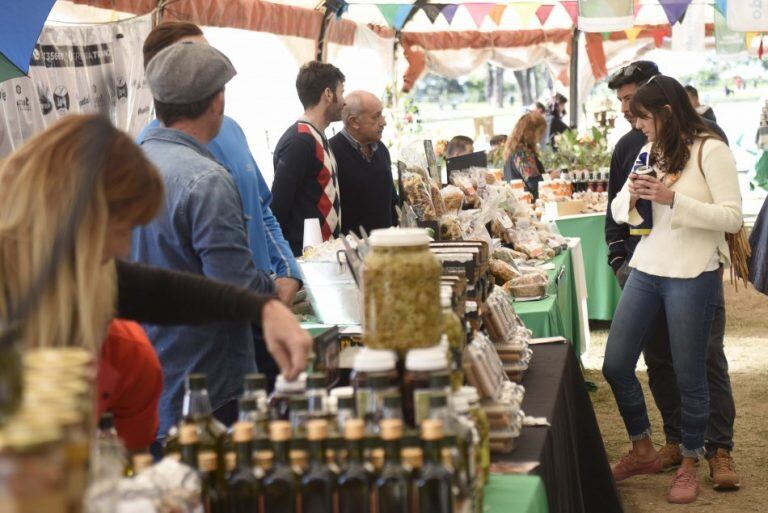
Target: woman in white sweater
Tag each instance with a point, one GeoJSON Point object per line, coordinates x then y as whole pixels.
{"type": "Point", "coordinates": [677, 269]}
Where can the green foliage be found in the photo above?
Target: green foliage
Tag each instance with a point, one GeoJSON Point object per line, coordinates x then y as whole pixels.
{"type": "Point", "coordinates": [588, 151]}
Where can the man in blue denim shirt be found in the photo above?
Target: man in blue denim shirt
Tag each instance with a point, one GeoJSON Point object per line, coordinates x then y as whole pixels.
{"type": "Point", "coordinates": [202, 228]}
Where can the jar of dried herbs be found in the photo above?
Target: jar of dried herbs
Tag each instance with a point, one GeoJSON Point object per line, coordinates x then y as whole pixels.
{"type": "Point", "coordinates": [401, 291]}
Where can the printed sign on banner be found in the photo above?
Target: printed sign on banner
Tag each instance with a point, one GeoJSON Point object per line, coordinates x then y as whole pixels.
{"type": "Point", "coordinates": [748, 15]}
{"type": "Point", "coordinates": [79, 69]}
{"type": "Point", "coordinates": [727, 41]}
{"type": "Point", "coordinates": [606, 15]}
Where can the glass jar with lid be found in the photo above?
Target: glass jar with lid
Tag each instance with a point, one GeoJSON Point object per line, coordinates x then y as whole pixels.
{"type": "Point", "coordinates": [420, 366]}
{"type": "Point", "coordinates": [370, 364]}
{"type": "Point", "coordinates": [280, 400]}
{"type": "Point", "coordinates": [401, 291]}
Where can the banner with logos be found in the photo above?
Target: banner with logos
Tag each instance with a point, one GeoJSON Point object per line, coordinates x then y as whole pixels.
{"type": "Point", "coordinates": [606, 15]}
{"type": "Point", "coordinates": [79, 69]}
{"type": "Point", "coordinates": [748, 16]}
{"type": "Point", "coordinates": [727, 41]}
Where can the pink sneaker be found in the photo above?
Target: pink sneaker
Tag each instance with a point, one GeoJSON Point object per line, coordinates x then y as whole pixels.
{"type": "Point", "coordinates": [629, 466]}
{"type": "Point", "coordinates": [684, 488]}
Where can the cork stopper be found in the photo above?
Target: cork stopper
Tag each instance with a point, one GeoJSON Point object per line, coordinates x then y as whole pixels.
{"type": "Point", "coordinates": [242, 432]}
{"type": "Point", "coordinates": [230, 461]}
{"type": "Point", "coordinates": [207, 461]}
{"type": "Point", "coordinates": [391, 429]}
{"type": "Point", "coordinates": [432, 429]}
{"type": "Point", "coordinates": [142, 462]}
{"type": "Point", "coordinates": [354, 429]}
{"type": "Point", "coordinates": [317, 429]}
{"type": "Point", "coordinates": [280, 431]}
{"type": "Point", "coordinates": [188, 434]}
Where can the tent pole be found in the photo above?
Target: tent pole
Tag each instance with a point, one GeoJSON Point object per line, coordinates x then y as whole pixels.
{"type": "Point", "coordinates": [320, 54]}
{"type": "Point", "coordinates": [574, 78]}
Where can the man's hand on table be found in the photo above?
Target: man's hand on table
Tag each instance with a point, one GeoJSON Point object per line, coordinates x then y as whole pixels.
{"type": "Point", "coordinates": [286, 341]}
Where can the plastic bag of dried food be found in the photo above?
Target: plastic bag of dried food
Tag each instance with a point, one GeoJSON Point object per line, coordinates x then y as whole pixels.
{"type": "Point", "coordinates": [502, 271]}
{"type": "Point", "coordinates": [412, 153]}
{"type": "Point", "coordinates": [417, 194]}
{"type": "Point", "coordinates": [453, 198]}
{"type": "Point", "coordinates": [473, 226]}
{"type": "Point", "coordinates": [463, 180]}
{"type": "Point", "coordinates": [508, 255]}
{"type": "Point", "coordinates": [437, 199]}
{"type": "Point", "coordinates": [450, 227]}
{"type": "Point", "coordinates": [502, 227]}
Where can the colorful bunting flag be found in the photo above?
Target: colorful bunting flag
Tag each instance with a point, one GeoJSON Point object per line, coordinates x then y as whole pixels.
{"type": "Point", "coordinates": [543, 13]}
{"type": "Point", "coordinates": [605, 15]}
{"type": "Point", "coordinates": [674, 9]}
{"type": "Point", "coordinates": [632, 33]}
{"type": "Point", "coordinates": [748, 38]}
{"type": "Point", "coordinates": [525, 12]}
{"type": "Point", "coordinates": [432, 11]}
{"type": "Point", "coordinates": [449, 11]}
{"type": "Point", "coordinates": [478, 12]}
{"type": "Point", "coordinates": [395, 14]}
{"type": "Point", "coordinates": [572, 8]}
{"type": "Point", "coordinates": [721, 6]}
{"type": "Point", "coordinates": [606, 36]}
{"type": "Point", "coordinates": [497, 13]}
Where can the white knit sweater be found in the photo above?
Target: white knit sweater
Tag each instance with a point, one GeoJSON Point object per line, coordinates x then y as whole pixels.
{"type": "Point", "coordinates": [685, 237]}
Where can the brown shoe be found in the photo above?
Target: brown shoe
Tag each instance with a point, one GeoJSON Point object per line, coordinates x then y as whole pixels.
{"type": "Point", "coordinates": [630, 466]}
{"type": "Point", "coordinates": [671, 456]}
{"type": "Point", "coordinates": [722, 472]}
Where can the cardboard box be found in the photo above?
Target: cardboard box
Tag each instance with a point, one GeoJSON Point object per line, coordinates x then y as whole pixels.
{"type": "Point", "coordinates": [570, 207]}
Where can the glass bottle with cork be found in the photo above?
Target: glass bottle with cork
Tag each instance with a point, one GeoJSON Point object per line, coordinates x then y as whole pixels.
{"type": "Point", "coordinates": [255, 386]}
{"type": "Point", "coordinates": [434, 480]}
{"type": "Point", "coordinates": [355, 483]}
{"type": "Point", "coordinates": [299, 415]}
{"type": "Point", "coordinates": [318, 484]}
{"type": "Point", "coordinates": [213, 491]}
{"type": "Point", "coordinates": [393, 483]}
{"type": "Point", "coordinates": [280, 400]}
{"type": "Point", "coordinates": [317, 395]}
{"type": "Point", "coordinates": [281, 484]}
{"type": "Point", "coordinates": [243, 482]}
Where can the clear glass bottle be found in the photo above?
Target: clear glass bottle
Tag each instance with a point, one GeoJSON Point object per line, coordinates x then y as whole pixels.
{"type": "Point", "coordinates": [474, 457]}
{"type": "Point", "coordinates": [393, 483]}
{"type": "Point", "coordinates": [243, 483]}
{"type": "Point", "coordinates": [393, 407]}
{"type": "Point", "coordinates": [281, 484]}
{"type": "Point", "coordinates": [356, 480]}
{"type": "Point", "coordinates": [299, 415]}
{"type": "Point", "coordinates": [434, 483]}
{"type": "Point", "coordinates": [318, 484]}
{"type": "Point", "coordinates": [317, 395]}
{"type": "Point", "coordinates": [255, 386]}
{"type": "Point", "coordinates": [280, 400]}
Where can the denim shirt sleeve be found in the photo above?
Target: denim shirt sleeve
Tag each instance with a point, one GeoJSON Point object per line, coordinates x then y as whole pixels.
{"type": "Point", "coordinates": [218, 235]}
{"type": "Point", "coordinates": [280, 252]}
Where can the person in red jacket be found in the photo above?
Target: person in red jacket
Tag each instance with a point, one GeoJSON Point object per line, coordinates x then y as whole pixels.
{"type": "Point", "coordinates": [130, 382]}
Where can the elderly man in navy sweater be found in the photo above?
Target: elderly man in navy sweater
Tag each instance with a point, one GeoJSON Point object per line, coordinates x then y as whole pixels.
{"type": "Point", "coordinates": [368, 196]}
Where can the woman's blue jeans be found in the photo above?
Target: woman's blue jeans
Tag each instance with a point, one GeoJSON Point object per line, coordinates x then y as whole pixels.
{"type": "Point", "coordinates": [689, 305]}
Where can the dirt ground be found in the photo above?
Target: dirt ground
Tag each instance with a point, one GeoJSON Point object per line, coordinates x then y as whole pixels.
{"type": "Point", "coordinates": [746, 346]}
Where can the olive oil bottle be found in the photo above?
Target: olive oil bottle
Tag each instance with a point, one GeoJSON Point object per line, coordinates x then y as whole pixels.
{"type": "Point", "coordinates": [318, 484]}
{"type": "Point", "coordinates": [243, 482]}
{"type": "Point", "coordinates": [281, 484]}
{"type": "Point", "coordinates": [392, 485]}
{"type": "Point", "coordinates": [434, 483]}
{"type": "Point", "coordinates": [355, 482]}
{"type": "Point", "coordinates": [213, 492]}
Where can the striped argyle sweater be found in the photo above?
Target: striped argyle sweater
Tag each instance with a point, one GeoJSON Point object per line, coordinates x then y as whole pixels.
{"type": "Point", "coordinates": [305, 184]}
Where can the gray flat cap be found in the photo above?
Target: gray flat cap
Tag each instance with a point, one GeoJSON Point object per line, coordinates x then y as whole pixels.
{"type": "Point", "coordinates": [188, 72]}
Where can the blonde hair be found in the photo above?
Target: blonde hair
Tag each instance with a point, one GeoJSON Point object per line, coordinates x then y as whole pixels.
{"type": "Point", "coordinates": [526, 133]}
{"type": "Point", "coordinates": [38, 185]}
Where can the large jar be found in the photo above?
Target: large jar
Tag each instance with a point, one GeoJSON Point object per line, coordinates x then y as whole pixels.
{"type": "Point", "coordinates": [424, 369]}
{"type": "Point", "coordinates": [401, 291]}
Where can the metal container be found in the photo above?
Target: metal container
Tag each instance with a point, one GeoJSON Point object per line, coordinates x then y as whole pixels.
{"type": "Point", "coordinates": [333, 292]}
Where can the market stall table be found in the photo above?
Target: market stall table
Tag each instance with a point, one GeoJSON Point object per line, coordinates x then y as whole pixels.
{"type": "Point", "coordinates": [515, 494]}
{"type": "Point", "coordinates": [557, 314]}
{"type": "Point", "coordinates": [572, 462]}
{"type": "Point", "coordinates": [603, 290]}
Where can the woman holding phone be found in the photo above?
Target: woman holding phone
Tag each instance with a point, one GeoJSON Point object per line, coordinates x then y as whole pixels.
{"type": "Point", "coordinates": [677, 269]}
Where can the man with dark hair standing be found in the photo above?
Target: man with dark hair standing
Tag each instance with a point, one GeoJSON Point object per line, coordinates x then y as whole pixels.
{"type": "Point", "coordinates": [368, 195]}
{"type": "Point", "coordinates": [306, 178]}
{"type": "Point", "coordinates": [705, 111]}
{"type": "Point", "coordinates": [657, 354]}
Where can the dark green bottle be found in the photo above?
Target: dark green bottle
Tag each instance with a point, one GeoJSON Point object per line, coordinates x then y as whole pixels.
{"type": "Point", "coordinates": [318, 484]}
{"type": "Point", "coordinates": [356, 480]}
{"type": "Point", "coordinates": [392, 485]}
{"type": "Point", "coordinates": [213, 490]}
{"type": "Point", "coordinates": [243, 482]}
{"type": "Point", "coordinates": [189, 444]}
{"type": "Point", "coordinates": [281, 484]}
{"type": "Point", "coordinates": [434, 483]}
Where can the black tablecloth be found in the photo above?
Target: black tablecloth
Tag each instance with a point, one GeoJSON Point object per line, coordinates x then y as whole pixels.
{"type": "Point", "coordinates": [574, 466]}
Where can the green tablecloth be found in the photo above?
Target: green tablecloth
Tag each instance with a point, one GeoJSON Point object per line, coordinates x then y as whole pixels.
{"type": "Point", "coordinates": [515, 494]}
{"type": "Point", "coordinates": [558, 314]}
{"type": "Point", "coordinates": [602, 289]}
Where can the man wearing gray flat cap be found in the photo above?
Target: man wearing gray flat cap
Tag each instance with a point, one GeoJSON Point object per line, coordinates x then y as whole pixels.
{"type": "Point", "coordinates": [201, 230]}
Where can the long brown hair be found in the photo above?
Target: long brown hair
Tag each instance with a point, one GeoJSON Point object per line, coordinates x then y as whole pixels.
{"type": "Point", "coordinates": [677, 122]}
{"type": "Point", "coordinates": [38, 185]}
{"type": "Point", "coordinates": [525, 134]}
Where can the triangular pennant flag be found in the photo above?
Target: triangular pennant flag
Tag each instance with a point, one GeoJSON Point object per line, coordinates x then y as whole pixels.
{"type": "Point", "coordinates": [525, 12]}
{"type": "Point", "coordinates": [760, 50]}
{"type": "Point", "coordinates": [543, 13]}
{"type": "Point", "coordinates": [674, 9]}
{"type": "Point", "coordinates": [496, 13]}
{"type": "Point", "coordinates": [632, 33]}
{"type": "Point", "coordinates": [395, 14]}
{"type": "Point", "coordinates": [478, 12]}
{"type": "Point", "coordinates": [721, 6]}
{"type": "Point", "coordinates": [572, 8]}
{"type": "Point", "coordinates": [432, 11]}
{"type": "Point", "coordinates": [748, 38]}
{"type": "Point", "coordinates": [449, 11]}
{"type": "Point", "coordinates": [658, 37]}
